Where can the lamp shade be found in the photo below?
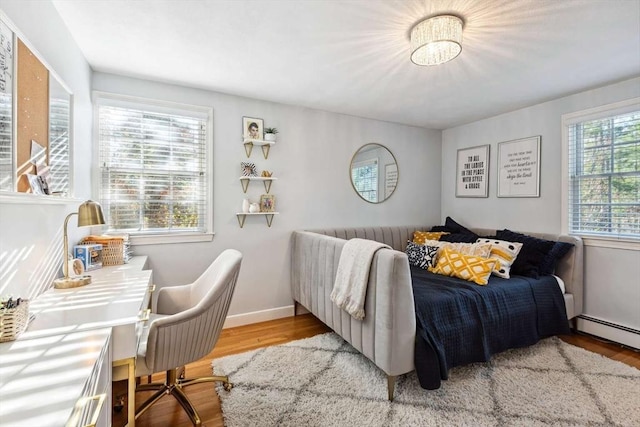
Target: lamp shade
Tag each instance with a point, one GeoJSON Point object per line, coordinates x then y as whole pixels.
{"type": "Point", "coordinates": [90, 213]}
{"type": "Point", "coordinates": [436, 40]}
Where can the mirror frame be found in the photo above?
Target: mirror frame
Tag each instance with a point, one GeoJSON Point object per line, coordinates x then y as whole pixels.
{"type": "Point", "coordinates": [351, 176]}
{"type": "Point", "coordinates": [15, 196]}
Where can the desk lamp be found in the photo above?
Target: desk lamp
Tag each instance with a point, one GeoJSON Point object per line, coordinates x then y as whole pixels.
{"type": "Point", "coordinates": [89, 213]}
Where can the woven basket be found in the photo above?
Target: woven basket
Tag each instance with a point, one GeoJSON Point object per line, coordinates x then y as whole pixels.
{"type": "Point", "coordinates": [13, 321]}
{"type": "Point", "coordinates": [112, 250]}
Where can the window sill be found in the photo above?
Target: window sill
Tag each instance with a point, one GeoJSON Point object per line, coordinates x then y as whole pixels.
{"type": "Point", "coordinates": [164, 239]}
{"type": "Point", "coordinates": [32, 199]}
{"type": "Point", "coordinates": [612, 243]}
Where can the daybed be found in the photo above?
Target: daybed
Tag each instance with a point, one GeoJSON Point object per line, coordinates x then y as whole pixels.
{"type": "Point", "coordinates": [387, 335]}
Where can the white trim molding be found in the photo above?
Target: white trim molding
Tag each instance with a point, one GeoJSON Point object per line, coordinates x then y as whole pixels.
{"type": "Point", "coordinates": [608, 330]}
{"type": "Point", "coordinates": [168, 238]}
{"type": "Point", "coordinates": [603, 242]}
{"type": "Point", "coordinates": [568, 119]}
{"type": "Point", "coordinates": [258, 316]}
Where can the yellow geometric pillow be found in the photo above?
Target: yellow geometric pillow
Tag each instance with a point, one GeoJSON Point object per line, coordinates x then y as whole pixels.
{"type": "Point", "coordinates": [471, 268]}
{"type": "Point", "coordinates": [420, 237]}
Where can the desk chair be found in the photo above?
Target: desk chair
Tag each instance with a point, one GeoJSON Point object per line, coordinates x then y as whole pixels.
{"type": "Point", "coordinates": [185, 328]}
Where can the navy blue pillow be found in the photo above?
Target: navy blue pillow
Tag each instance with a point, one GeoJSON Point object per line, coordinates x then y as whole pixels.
{"type": "Point", "coordinates": [532, 255]}
{"type": "Point", "coordinates": [452, 227]}
{"type": "Point", "coordinates": [459, 237]}
{"type": "Point", "coordinates": [559, 250]}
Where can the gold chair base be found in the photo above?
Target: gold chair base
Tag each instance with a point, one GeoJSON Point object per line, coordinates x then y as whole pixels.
{"type": "Point", "coordinates": [173, 386]}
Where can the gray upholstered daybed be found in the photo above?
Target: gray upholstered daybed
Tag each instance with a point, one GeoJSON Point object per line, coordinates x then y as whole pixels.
{"type": "Point", "coordinates": [387, 334]}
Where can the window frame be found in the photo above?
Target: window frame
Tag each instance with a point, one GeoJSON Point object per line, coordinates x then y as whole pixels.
{"type": "Point", "coordinates": [568, 120]}
{"type": "Point", "coordinates": [366, 163]}
{"type": "Point", "coordinates": [111, 99]}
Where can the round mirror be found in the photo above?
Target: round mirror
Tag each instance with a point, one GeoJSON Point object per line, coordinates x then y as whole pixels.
{"type": "Point", "coordinates": [374, 173]}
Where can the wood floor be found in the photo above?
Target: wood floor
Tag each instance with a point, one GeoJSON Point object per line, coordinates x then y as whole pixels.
{"type": "Point", "coordinates": [167, 412]}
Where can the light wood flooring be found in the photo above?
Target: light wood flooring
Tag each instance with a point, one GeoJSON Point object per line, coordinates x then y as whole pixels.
{"type": "Point", "coordinates": [167, 412]}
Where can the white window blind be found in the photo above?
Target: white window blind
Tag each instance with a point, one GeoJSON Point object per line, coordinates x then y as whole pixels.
{"type": "Point", "coordinates": [604, 174]}
{"type": "Point", "coordinates": [6, 142]}
{"type": "Point", "coordinates": [365, 179]}
{"type": "Point", "coordinates": [153, 169]}
{"type": "Point", "coordinates": [59, 145]}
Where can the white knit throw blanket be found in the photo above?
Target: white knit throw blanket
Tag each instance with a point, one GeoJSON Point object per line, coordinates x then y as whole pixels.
{"type": "Point", "coordinates": [350, 287]}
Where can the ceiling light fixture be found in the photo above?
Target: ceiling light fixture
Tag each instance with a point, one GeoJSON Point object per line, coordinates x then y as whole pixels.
{"type": "Point", "coordinates": [436, 40]}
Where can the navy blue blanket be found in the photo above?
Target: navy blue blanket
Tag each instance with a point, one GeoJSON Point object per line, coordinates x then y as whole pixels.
{"type": "Point", "coordinates": [459, 322]}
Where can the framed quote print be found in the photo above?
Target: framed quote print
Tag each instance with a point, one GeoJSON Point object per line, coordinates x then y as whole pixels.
{"type": "Point", "coordinates": [472, 172]}
{"type": "Point", "coordinates": [519, 168]}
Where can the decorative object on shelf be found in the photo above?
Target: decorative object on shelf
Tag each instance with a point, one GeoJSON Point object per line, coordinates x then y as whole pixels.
{"type": "Point", "coordinates": [270, 134]}
{"type": "Point", "coordinates": [245, 205]}
{"type": "Point", "coordinates": [472, 172]}
{"type": "Point", "coordinates": [254, 208]}
{"type": "Point", "coordinates": [519, 168]}
{"type": "Point", "coordinates": [248, 169]}
{"type": "Point", "coordinates": [252, 128]}
{"type": "Point", "coordinates": [267, 203]}
{"type": "Point", "coordinates": [89, 213]}
{"type": "Point", "coordinates": [436, 40]}
{"type": "Point", "coordinates": [266, 174]}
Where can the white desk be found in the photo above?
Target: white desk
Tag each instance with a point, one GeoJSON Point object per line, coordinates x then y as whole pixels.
{"type": "Point", "coordinates": [50, 381]}
{"type": "Point", "coordinates": [118, 298]}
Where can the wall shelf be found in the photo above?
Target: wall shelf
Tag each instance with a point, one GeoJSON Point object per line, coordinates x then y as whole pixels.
{"type": "Point", "coordinates": [266, 146]}
{"type": "Point", "coordinates": [268, 216]}
{"type": "Point", "coordinates": [245, 180]}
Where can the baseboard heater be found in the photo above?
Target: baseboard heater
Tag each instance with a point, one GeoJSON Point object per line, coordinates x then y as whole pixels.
{"type": "Point", "coordinates": [611, 331]}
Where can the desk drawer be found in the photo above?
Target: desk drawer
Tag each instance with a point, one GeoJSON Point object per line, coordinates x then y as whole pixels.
{"type": "Point", "coordinates": [94, 406]}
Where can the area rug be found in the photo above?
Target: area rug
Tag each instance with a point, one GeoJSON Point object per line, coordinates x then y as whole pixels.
{"type": "Point", "coordinates": [323, 381]}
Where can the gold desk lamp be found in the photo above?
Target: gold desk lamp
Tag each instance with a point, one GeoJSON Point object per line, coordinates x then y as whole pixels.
{"type": "Point", "coordinates": [89, 213]}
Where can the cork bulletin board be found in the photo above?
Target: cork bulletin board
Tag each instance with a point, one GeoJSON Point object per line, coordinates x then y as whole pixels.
{"type": "Point", "coordinates": [32, 112]}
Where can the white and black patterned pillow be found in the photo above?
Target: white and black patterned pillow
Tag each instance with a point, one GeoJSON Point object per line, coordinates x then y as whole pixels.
{"type": "Point", "coordinates": [422, 256]}
{"type": "Point", "coordinates": [431, 255]}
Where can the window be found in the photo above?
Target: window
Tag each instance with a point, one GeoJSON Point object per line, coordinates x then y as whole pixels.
{"type": "Point", "coordinates": [603, 148]}
{"type": "Point", "coordinates": [154, 168]}
{"type": "Point", "coordinates": [365, 179]}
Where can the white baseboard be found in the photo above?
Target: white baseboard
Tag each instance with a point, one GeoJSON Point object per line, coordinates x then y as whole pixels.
{"type": "Point", "coordinates": [610, 331]}
{"type": "Point", "coordinates": [257, 316]}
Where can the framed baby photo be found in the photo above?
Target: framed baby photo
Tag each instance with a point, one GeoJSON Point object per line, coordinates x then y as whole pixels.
{"type": "Point", "coordinates": [267, 203]}
{"type": "Point", "coordinates": [248, 169]}
{"type": "Point", "coordinates": [252, 128]}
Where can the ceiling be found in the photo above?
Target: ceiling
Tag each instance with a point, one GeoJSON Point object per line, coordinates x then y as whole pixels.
{"type": "Point", "coordinates": [352, 56]}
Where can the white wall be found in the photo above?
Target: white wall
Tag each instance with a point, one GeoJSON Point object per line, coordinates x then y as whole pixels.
{"type": "Point", "coordinates": [612, 292]}
{"type": "Point", "coordinates": [30, 232]}
{"type": "Point", "coordinates": [311, 160]}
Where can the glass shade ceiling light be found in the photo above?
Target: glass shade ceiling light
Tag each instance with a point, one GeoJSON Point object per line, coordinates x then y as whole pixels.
{"type": "Point", "coordinates": [436, 40]}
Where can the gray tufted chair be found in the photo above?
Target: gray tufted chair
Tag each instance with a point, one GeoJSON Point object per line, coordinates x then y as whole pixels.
{"type": "Point", "coordinates": [185, 328]}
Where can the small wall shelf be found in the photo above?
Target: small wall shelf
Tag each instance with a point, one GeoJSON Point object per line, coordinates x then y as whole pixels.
{"type": "Point", "coordinates": [267, 215]}
{"type": "Point", "coordinates": [249, 143]}
{"type": "Point", "coordinates": [245, 180]}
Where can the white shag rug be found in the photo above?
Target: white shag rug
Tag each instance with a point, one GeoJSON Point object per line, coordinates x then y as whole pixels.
{"type": "Point", "coordinates": [323, 381]}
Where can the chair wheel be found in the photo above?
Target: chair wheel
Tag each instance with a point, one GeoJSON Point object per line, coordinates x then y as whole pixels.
{"type": "Point", "coordinates": [227, 386]}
